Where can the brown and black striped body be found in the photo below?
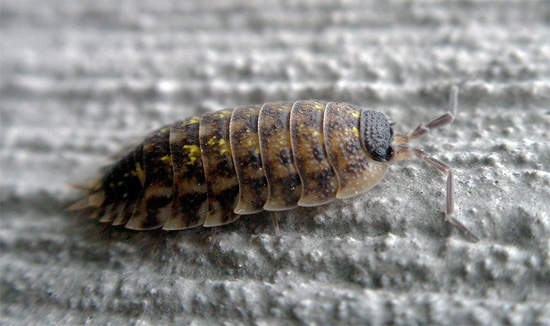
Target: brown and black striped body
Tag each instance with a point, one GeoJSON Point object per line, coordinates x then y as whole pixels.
{"type": "Point", "coordinates": [209, 170]}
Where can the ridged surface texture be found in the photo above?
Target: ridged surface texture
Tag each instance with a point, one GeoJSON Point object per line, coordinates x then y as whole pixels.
{"type": "Point", "coordinates": [80, 80]}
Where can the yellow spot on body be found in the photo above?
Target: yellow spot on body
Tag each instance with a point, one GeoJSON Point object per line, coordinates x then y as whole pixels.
{"type": "Point", "coordinates": [119, 183]}
{"type": "Point", "coordinates": [125, 195]}
{"type": "Point", "coordinates": [112, 185]}
{"type": "Point", "coordinates": [191, 121]}
{"type": "Point", "coordinates": [224, 146]}
{"type": "Point", "coordinates": [355, 131]}
{"type": "Point", "coordinates": [221, 114]}
{"type": "Point", "coordinates": [252, 143]}
{"type": "Point", "coordinates": [126, 175]}
{"type": "Point", "coordinates": [318, 106]}
{"type": "Point", "coordinates": [355, 114]}
{"type": "Point", "coordinates": [194, 153]}
{"type": "Point", "coordinates": [140, 174]}
{"type": "Point", "coordinates": [212, 141]}
{"type": "Point", "coordinates": [167, 129]}
{"type": "Point", "coordinates": [167, 159]}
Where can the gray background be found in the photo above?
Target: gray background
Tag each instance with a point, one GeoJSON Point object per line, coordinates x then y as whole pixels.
{"type": "Point", "coordinates": [81, 79]}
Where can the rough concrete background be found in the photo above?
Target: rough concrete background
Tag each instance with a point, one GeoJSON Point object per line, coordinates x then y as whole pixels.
{"type": "Point", "coordinates": [81, 79]}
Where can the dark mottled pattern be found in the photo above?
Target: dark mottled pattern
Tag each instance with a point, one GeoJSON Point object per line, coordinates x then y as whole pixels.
{"type": "Point", "coordinates": [221, 178]}
{"type": "Point", "coordinates": [113, 190]}
{"type": "Point", "coordinates": [323, 184]}
{"type": "Point", "coordinates": [245, 146]}
{"type": "Point", "coordinates": [118, 187]}
{"type": "Point", "coordinates": [285, 188]}
{"type": "Point", "coordinates": [319, 183]}
{"type": "Point", "coordinates": [131, 186]}
{"type": "Point", "coordinates": [189, 208]}
{"type": "Point", "coordinates": [376, 134]}
{"type": "Point", "coordinates": [342, 123]}
{"type": "Point", "coordinates": [135, 186]}
{"type": "Point", "coordinates": [154, 205]}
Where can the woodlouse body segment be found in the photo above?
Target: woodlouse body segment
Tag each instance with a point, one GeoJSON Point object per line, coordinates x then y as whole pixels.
{"type": "Point", "coordinates": [245, 146]}
{"type": "Point", "coordinates": [190, 197]}
{"type": "Point", "coordinates": [319, 182]}
{"type": "Point", "coordinates": [154, 206]}
{"type": "Point", "coordinates": [132, 169]}
{"type": "Point", "coordinates": [219, 170]}
{"type": "Point", "coordinates": [356, 170]}
{"type": "Point", "coordinates": [209, 170]}
{"type": "Point", "coordinates": [284, 185]}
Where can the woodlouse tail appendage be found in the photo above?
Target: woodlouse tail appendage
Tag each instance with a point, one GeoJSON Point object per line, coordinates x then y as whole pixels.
{"type": "Point", "coordinates": [113, 196]}
{"type": "Point", "coordinates": [403, 151]}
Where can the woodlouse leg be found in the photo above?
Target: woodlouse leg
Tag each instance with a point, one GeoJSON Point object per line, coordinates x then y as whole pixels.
{"type": "Point", "coordinates": [443, 120]}
{"type": "Point", "coordinates": [449, 213]}
{"type": "Point", "coordinates": [212, 237]}
{"type": "Point", "coordinates": [275, 223]}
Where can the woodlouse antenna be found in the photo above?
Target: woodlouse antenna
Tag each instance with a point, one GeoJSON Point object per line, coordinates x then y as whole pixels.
{"type": "Point", "coordinates": [403, 151]}
{"type": "Point", "coordinates": [443, 120]}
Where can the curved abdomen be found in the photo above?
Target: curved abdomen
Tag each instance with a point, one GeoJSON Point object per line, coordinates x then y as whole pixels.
{"type": "Point", "coordinates": [209, 170]}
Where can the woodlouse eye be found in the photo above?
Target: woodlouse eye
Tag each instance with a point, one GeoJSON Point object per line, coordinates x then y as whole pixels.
{"type": "Point", "coordinates": [382, 154]}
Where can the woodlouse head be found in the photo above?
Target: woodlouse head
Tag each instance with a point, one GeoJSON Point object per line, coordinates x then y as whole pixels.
{"type": "Point", "coordinates": [377, 135]}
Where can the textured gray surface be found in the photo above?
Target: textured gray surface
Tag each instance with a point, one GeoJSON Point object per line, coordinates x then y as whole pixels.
{"type": "Point", "coordinates": [80, 79]}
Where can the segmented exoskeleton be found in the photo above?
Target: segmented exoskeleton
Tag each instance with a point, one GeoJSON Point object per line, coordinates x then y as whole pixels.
{"type": "Point", "coordinates": [209, 170]}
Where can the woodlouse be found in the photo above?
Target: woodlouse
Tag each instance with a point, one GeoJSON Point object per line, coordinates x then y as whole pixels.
{"type": "Point", "coordinates": [209, 170]}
